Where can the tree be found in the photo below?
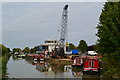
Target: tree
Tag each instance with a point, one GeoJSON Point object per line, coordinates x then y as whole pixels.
{"type": "Point", "coordinates": [32, 50]}
{"type": "Point", "coordinates": [35, 49]}
{"type": "Point", "coordinates": [8, 49]}
{"type": "Point", "coordinates": [26, 50]}
{"type": "Point", "coordinates": [109, 28]}
{"type": "Point", "coordinates": [82, 46]}
{"type": "Point", "coordinates": [109, 38]}
{"type": "Point", "coordinates": [3, 50]}
{"type": "Point", "coordinates": [91, 48]}
{"type": "Point", "coordinates": [16, 50]}
{"type": "Point", "coordinates": [72, 46]}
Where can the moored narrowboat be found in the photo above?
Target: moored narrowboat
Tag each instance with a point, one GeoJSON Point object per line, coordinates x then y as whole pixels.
{"type": "Point", "coordinates": [35, 56]}
{"type": "Point", "coordinates": [77, 62]}
{"type": "Point", "coordinates": [91, 65]}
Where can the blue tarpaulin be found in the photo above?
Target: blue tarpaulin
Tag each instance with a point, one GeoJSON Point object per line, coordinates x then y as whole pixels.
{"type": "Point", "coordinates": [75, 51]}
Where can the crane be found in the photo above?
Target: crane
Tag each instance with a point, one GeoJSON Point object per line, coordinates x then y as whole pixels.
{"type": "Point", "coordinates": [63, 31]}
{"type": "Point", "coordinates": [59, 48]}
{"type": "Point", "coordinates": [63, 25]}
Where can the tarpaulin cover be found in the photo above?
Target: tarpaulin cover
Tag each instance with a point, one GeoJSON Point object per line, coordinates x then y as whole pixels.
{"type": "Point", "coordinates": [75, 51]}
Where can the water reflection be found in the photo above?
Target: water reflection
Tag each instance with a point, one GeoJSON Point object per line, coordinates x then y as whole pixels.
{"type": "Point", "coordinates": [77, 72]}
{"type": "Point", "coordinates": [42, 67]}
{"type": "Point", "coordinates": [54, 69]}
{"type": "Point", "coordinates": [15, 58]}
{"type": "Point", "coordinates": [26, 68]}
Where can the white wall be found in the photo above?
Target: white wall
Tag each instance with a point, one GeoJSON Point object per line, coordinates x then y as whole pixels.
{"type": "Point", "coordinates": [50, 48]}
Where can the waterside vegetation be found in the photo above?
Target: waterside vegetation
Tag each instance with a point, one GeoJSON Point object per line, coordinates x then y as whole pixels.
{"type": "Point", "coordinates": [5, 55]}
{"type": "Point", "coordinates": [109, 38]}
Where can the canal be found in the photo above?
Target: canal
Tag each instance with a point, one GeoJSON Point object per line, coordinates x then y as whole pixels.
{"type": "Point", "coordinates": [23, 68]}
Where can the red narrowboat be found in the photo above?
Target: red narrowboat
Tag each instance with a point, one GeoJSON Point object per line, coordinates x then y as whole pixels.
{"type": "Point", "coordinates": [35, 57]}
{"type": "Point", "coordinates": [77, 62]}
{"type": "Point", "coordinates": [91, 65]}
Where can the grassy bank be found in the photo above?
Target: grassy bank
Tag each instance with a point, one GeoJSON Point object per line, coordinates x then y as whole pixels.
{"type": "Point", "coordinates": [4, 65]}
{"type": "Point", "coordinates": [4, 57]}
{"type": "Point", "coordinates": [111, 66]}
{"type": "Point", "coordinates": [0, 68]}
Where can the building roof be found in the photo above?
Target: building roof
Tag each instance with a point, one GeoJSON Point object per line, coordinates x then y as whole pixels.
{"type": "Point", "coordinates": [51, 40]}
{"type": "Point", "coordinates": [49, 44]}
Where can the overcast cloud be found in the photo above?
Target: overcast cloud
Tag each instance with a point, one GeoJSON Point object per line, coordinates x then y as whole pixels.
{"type": "Point", "coordinates": [30, 23]}
{"type": "Point", "coordinates": [0, 22]}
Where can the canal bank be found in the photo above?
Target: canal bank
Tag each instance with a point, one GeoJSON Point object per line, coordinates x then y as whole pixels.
{"type": "Point", "coordinates": [0, 67]}
{"type": "Point", "coordinates": [4, 61]}
{"type": "Point", "coordinates": [4, 57]}
{"type": "Point", "coordinates": [111, 66]}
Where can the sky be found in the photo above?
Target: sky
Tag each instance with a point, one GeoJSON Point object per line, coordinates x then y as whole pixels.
{"type": "Point", "coordinates": [0, 22]}
{"type": "Point", "coordinates": [28, 24]}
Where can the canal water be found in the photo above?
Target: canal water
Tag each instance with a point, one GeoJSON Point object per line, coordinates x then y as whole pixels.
{"type": "Point", "coordinates": [22, 68]}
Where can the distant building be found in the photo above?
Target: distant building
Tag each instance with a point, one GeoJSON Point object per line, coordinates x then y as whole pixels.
{"type": "Point", "coordinates": [49, 45]}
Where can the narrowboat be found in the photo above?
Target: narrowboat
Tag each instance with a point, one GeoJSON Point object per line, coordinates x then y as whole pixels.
{"type": "Point", "coordinates": [35, 57]}
{"type": "Point", "coordinates": [91, 65]}
{"type": "Point", "coordinates": [77, 62]}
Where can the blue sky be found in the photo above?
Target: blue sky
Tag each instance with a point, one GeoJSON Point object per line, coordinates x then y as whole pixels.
{"type": "Point", "coordinates": [30, 23]}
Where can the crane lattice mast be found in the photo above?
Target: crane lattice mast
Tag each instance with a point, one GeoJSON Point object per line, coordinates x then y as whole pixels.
{"type": "Point", "coordinates": [63, 31]}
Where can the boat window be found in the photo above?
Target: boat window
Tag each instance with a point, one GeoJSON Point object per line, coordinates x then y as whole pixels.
{"type": "Point", "coordinates": [47, 41]}
{"type": "Point", "coordinates": [44, 47]}
{"type": "Point", "coordinates": [50, 41]}
{"type": "Point", "coordinates": [92, 64]}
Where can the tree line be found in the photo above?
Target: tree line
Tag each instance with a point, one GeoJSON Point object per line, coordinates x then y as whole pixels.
{"type": "Point", "coordinates": [25, 50]}
{"type": "Point", "coordinates": [82, 46]}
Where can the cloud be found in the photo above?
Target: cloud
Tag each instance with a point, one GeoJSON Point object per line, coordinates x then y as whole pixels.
{"type": "Point", "coordinates": [29, 24]}
{"type": "Point", "coordinates": [55, 0]}
{"type": "Point", "coordinates": [0, 22]}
